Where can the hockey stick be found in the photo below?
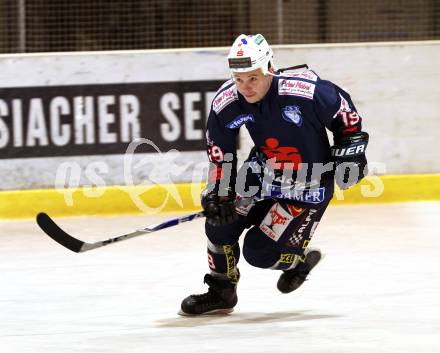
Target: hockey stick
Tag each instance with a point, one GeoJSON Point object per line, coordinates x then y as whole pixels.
{"type": "Point", "coordinates": [60, 236]}
{"type": "Point", "coordinates": [48, 225]}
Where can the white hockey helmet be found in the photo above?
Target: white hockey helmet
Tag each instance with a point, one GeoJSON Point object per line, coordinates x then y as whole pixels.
{"type": "Point", "coordinates": [250, 52]}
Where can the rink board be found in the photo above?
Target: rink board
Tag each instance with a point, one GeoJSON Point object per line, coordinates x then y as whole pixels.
{"type": "Point", "coordinates": [71, 117]}
{"type": "Point", "coordinates": [155, 199]}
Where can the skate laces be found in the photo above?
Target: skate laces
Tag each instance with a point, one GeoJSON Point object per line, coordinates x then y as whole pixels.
{"type": "Point", "coordinates": [210, 297]}
{"type": "Point", "coordinates": [301, 272]}
{"type": "Point", "coordinates": [212, 283]}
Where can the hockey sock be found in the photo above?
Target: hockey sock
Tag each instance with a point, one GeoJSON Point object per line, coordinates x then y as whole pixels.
{"type": "Point", "coordinates": [223, 259]}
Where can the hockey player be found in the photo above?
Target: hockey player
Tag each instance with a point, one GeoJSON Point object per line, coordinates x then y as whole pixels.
{"type": "Point", "coordinates": [283, 189]}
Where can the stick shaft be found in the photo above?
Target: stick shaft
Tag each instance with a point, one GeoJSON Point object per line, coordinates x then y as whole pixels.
{"type": "Point", "coordinates": [53, 230]}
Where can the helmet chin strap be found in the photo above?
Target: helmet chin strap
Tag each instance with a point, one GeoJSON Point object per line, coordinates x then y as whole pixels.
{"type": "Point", "coordinates": [273, 74]}
{"type": "Point", "coordinates": [274, 69]}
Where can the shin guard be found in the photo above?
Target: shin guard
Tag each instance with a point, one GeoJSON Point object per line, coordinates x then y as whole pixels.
{"type": "Point", "coordinates": [223, 259]}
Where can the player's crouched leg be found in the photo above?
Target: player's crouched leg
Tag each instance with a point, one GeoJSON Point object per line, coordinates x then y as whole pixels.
{"type": "Point", "coordinates": [304, 258]}
{"type": "Point", "coordinates": [264, 243]}
{"type": "Point", "coordinates": [292, 279]}
{"type": "Point", "coordinates": [281, 241]}
{"type": "Point", "coordinates": [258, 250]}
{"type": "Point", "coordinates": [223, 256]}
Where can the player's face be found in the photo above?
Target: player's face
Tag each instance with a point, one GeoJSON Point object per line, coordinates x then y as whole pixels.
{"type": "Point", "coordinates": [252, 85]}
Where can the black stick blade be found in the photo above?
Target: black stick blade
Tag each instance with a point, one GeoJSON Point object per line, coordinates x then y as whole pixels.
{"type": "Point", "coordinates": [56, 233]}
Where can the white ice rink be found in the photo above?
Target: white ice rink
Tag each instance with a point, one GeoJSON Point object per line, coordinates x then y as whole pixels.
{"type": "Point", "coordinates": [376, 291]}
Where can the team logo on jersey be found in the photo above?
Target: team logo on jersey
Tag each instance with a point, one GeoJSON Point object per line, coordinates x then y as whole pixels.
{"type": "Point", "coordinates": [240, 120]}
{"type": "Point", "coordinates": [292, 114]}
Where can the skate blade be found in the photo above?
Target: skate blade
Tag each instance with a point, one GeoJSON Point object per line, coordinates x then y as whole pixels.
{"type": "Point", "coordinates": [216, 312]}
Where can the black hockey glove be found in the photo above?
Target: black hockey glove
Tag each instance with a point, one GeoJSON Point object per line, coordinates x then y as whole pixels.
{"type": "Point", "coordinates": [348, 153]}
{"type": "Point", "coordinates": [219, 210]}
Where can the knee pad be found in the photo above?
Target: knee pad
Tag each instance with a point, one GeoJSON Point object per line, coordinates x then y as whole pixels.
{"type": "Point", "coordinates": [259, 250]}
{"type": "Point", "coordinates": [226, 234]}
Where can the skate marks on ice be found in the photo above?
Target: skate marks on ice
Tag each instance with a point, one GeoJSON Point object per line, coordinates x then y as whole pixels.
{"type": "Point", "coordinates": [239, 318]}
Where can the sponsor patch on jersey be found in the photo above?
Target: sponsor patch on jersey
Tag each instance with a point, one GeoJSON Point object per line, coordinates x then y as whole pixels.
{"type": "Point", "coordinates": [296, 88]}
{"type": "Point", "coordinates": [300, 235]}
{"type": "Point", "coordinates": [310, 195]}
{"type": "Point", "coordinates": [240, 120]}
{"type": "Point", "coordinates": [294, 210]}
{"type": "Point", "coordinates": [307, 75]}
{"type": "Point", "coordinates": [292, 114]}
{"type": "Point", "coordinates": [276, 222]}
{"type": "Point", "coordinates": [244, 204]}
{"type": "Point", "coordinates": [314, 195]}
{"type": "Point", "coordinates": [224, 98]}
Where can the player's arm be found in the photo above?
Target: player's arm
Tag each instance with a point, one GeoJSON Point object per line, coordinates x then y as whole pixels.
{"type": "Point", "coordinates": [339, 114]}
{"type": "Point", "coordinates": [218, 199]}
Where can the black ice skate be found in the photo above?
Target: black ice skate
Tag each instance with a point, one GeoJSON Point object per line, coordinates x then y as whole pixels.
{"type": "Point", "coordinates": [220, 299]}
{"type": "Point", "coordinates": [292, 279]}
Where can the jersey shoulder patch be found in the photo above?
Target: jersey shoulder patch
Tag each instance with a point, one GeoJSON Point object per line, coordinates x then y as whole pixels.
{"type": "Point", "coordinates": [225, 96]}
{"type": "Point", "coordinates": [344, 107]}
{"type": "Point", "coordinates": [224, 85]}
{"type": "Point", "coordinates": [304, 74]}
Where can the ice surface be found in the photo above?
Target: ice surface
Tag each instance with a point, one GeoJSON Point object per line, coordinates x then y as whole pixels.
{"type": "Point", "coordinates": [377, 289]}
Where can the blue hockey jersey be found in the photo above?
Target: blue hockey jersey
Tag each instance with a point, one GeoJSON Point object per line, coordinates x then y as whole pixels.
{"type": "Point", "coordinates": [288, 126]}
